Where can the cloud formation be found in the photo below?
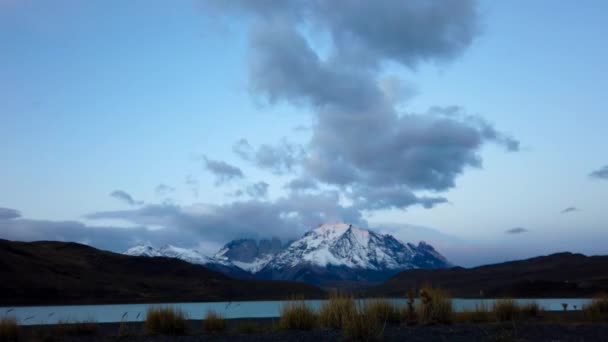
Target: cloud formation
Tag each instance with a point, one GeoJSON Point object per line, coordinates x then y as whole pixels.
{"type": "Point", "coordinates": [569, 210]}
{"type": "Point", "coordinates": [9, 214]}
{"type": "Point", "coordinates": [286, 217]}
{"type": "Point", "coordinates": [125, 197]}
{"type": "Point", "coordinates": [163, 190]}
{"type": "Point", "coordinates": [257, 190]}
{"type": "Point", "coordinates": [222, 171]}
{"type": "Point", "coordinates": [601, 173]}
{"type": "Point", "coordinates": [279, 159]}
{"type": "Point", "coordinates": [516, 230]}
{"type": "Point", "coordinates": [361, 141]}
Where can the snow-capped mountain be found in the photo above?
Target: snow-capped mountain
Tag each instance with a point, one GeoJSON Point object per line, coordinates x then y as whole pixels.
{"type": "Point", "coordinates": [339, 252]}
{"type": "Point", "coordinates": [328, 253]}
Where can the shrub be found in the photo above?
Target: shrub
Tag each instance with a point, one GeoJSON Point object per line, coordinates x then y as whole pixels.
{"type": "Point", "coordinates": [505, 310]}
{"type": "Point", "coordinates": [9, 330]}
{"type": "Point", "coordinates": [597, 309]}
{"type": "Point", "coordinates": [165, 321]}
{"type": "Point", "coordinates": [359, 326]}
{"type": "Point", "coordinates": [297, 315]}
{"type": "Point", "coordinates": [213, 322]}
{"type": "Point", "coordinates": [335, 310]}
{"type": "Point", "coordinates": [382, 311]}
{"type": "Point", "coordinates": [435, 306]}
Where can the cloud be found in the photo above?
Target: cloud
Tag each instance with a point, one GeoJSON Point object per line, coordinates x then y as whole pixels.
{"type": "Point", "coordinates": [125, 197]}
{"type": "Point", "coordinates": [163, 190]}
{"type": "Point", "coordinates": [9, 214]}
{"type": "Point", "coordinates": [286, 217]}
{"type": "Point", "coordinates": [223, 171]}
{"type": "Point", "coordinates": [361, 141]}
{"type": "Point", "coordinates": [601, 173]}
{"type": "Point", "coordinates": [104, 237]}
{"type": "Point", "coordinates": [279, 159]}
{"type": "Point", "coordinates": [516, 230]}
{"type": "Point", "coordinates": [258, 190]}
{"type": "Point", "coordinates": [301, 184]}
{"type": "Point", "coordinates": [569, 210]}
{"type": "Point", "coordinates": [193, 184]}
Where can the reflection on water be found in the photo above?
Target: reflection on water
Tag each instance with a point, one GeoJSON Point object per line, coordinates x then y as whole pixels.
{"type": "Point", "coordinates": [27, 315]}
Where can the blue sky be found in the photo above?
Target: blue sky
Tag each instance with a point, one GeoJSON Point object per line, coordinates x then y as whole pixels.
{"type": "Point", "coordinates": [101, 96]}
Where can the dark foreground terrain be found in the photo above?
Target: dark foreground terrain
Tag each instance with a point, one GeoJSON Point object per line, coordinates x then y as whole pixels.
{"type": "Point", "coordinates": [265, 330]}
{"type": "Point", "coordinates": [50, 272]}
{"type": "Point", "coordinates": [562, 275]}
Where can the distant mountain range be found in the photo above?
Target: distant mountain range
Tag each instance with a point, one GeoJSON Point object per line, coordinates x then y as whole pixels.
{"type": "Point", "coordinates": [53, 272]}
{"type": "Point", "coordinates": [328, 254]}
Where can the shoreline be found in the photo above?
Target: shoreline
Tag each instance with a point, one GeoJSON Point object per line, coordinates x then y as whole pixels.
{"type": "Point", "coordinates": [173, 302]}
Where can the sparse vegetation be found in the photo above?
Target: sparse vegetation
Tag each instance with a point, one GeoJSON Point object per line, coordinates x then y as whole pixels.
{"type": "Point", "coordinates": [9, 329]}
{"type": "Point", "coordinates": [480, 314]}
{"type": "Point", "coordinates": [435, 306]}
{"type": "Point", "coordinates": [88, 327]}
{"type": "Point", "coordinates": [597, 309]}
{"type": "Point", "coordinates": [359, 325]}
{"type": "Point", "coordinates": [382, 311]}
{"type": "Point", "coordinates": [530, 309]}
{"type": "Point", "coordinates": [165, 321]}
{"type": "Point", "coordinates": [408, 313]}
{"type": "Point", "coordinates": [335, 310]}
{"type": "Point", "coordinates": [214, 322]}
{"type": "Point", "coordinates": [505, 310]}
{"type": "Point", "coordinates": [297, 315]}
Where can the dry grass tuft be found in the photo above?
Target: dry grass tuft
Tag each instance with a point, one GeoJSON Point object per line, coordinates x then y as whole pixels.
{"type": "Point", "coordinates": [435, 306]}
{"type": "Point", "coordinates": [480, 314]}
{"type": "Point", "coordinates": [88, 327]}
{"type": "Point", "coordinates": [335, 310]}
{"type": "Point", "coordinates": [506, 310]}
{"type": "Point", "coordinates": [382, 311]}
{"type": "Point", "coordinates": [297, 315]}
{"type": "Point", "coordinates": [165, 321]}
{"type": "Point", "coordinates": [9, 330]}
{"type": "Point", "coordinates": [597, 309]}
{"type": "Point", "coordinates": [214, 322]}
{"type": "Point", "coordinates": [363, 325]}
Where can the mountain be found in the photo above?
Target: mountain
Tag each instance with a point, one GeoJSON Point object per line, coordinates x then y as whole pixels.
{"type": "Point", "coordinates": [50, 272]}
{"type": "Point", "coordinates": [329, 254]}
{"type": "Point", "coordinates": [342, 252]}
{"type": "Point", "coordinates": [558, 275]}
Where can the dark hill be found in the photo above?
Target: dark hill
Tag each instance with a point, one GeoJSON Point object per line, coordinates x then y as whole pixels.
{"type": "Point", "coordinates": [556, 275]}
{"type": "Point", "coordinates": [48, 272]}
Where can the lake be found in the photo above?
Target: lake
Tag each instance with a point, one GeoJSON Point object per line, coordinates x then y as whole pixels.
{"type": "Point", "coordinates": [29, 315]}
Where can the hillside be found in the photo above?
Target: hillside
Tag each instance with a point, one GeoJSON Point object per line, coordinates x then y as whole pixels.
{"type": "Point", "coordinates": [556, 275]}
{"type": "Point", "coordinates": [48, 272]}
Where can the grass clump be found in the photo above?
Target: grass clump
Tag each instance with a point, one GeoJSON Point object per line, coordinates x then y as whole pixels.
{"type": "Point", "coordinates": [165, 321]}
{"type": "Point", "coordinates": [480, 314]}
{"type": "Point", "coordinates": [297, 315]}
{"type": "Point", "coordinates": [597, 309]}
{"type": "Point", "coordinates": [506, 310]}
{"type": "Point", "coordinates": [363, 324]}
{"type": "Point", "coordinates": [9, 330]}
{"type": "Point", "coordinates": [382, 311]}
{"type": "Point", "coordinates": [531, 309]}
{"type": "Point", "coordinates": [214, 322]}
{"type": "Point", "coordinates": [435, 306]}
{"type": "Point", "coordinates": [335, 310]}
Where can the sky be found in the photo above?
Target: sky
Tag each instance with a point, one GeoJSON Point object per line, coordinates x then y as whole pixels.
{"type": "Point", "coordinates": [479, 126]}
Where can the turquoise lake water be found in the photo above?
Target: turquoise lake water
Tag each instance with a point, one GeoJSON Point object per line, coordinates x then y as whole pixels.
{"type": "Point", "coordinates": [28, 315]}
